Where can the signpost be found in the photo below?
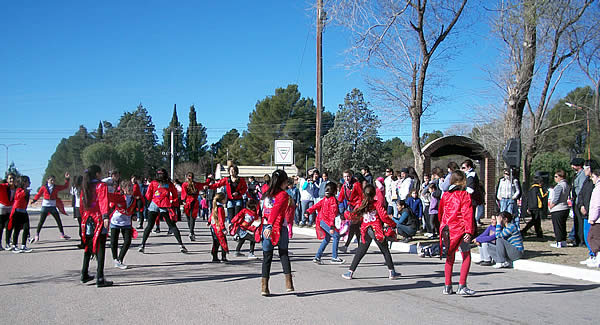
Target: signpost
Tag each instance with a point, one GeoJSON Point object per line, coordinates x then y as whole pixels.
{"type": "Point", "coordinates": [284, 152]}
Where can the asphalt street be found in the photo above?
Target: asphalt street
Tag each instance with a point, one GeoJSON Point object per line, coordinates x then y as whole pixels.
{"type": "Point", "coordinates": [165, 286]}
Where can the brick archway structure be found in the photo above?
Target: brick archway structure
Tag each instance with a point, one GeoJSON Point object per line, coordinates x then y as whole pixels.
{"type": "Point", "coordinates": [459, 145]}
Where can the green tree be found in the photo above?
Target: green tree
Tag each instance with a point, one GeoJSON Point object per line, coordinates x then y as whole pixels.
{"type": "Point", "coordinates": [550, 162]}
{"type": "Point", "coordinates": [177, 129]}
{"type": "Point", "coordinates": [195, 138]}
{"type": "Point", "coordinates": [428, 137]}
{"type": "Point", "coordinates": [130, 158]}
{"type": "Point", "coordinates": [353, 141]}
{"type": "Point", "coordinates": [220, 149]}
{"type": "Point", "coordinates": [67, 156]}
{"type": "Point", "coordinates": [394, 150]}
{"type": "Point", "coordinates": [137, 126]}
{"type": "Point", "coordinates": [12, 169]}
{"type": "Point", "coordinates": [100, 153]}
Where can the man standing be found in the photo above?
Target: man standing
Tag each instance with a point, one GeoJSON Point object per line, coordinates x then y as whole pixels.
{"type": "Point", "coordinates": [508, 191]}
{"type": "Point", "coordinates": [473, 188]}
{"type": "Point", "coordinates": [576, 234]}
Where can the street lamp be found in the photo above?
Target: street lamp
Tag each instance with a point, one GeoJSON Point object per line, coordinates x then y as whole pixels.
{"type": "Point", "coordinates": [7, 146]}
{"type": "Point", "coordinates": [587, 119]}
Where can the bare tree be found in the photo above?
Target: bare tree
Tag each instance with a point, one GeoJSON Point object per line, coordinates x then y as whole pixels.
{"type": "Point", "coordinates": [588, 58]}
{"type": "Point", "coordinates": [539, 37]}
{"type": "Point", "coordinates": [403, 41]}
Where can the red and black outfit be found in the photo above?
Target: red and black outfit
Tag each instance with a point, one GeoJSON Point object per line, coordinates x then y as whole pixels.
{"type": "Point", "coordinates": [246, 225]}
{"type": "Point", "coordinates": [371, 227]}
{"type": "Point", "coordinates": [218, 230]}
{"type": "Point", "coordinates": [191, 205]}
{"type": "Point", "coordinates": [124, 207]}
{"type": "Point", "coordinates": [19, 219]}
{"type": "Point", "coordinates": [92, 229]}
{"type": "Point", "coordinates": [276, 212]}
{"type": "Point", "coordinates": [163, 199]}
{"type": "Point", "coordinates": [234, 202]}
{"type": "Point", "coordinates": [351, 196]}
{"type": "Point", "coordinates": [456, 220]}
{"type": "Point", "coordinates": [50, 204]}
{"type": "Point", "coordinates": [7, 196]}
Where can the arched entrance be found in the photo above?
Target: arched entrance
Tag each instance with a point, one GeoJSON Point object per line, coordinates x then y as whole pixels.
{"type": "Point", "coordinates": [459, 145]}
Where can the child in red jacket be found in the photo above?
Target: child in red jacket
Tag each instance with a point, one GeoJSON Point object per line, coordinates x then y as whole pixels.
{"type": "Point", "coordinates": [217, 228]}
{"type": "Point", "coordinates": [19, 219]}
{"type": "Point", "coordinates": [327, 211]}
{"type": "Point", "coordinates": [244, 225]}
{"type": "Point", "coordinates": [51, 204]}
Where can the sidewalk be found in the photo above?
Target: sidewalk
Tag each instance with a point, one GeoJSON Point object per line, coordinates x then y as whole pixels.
{"type": "Point", "coordinates": [522, 265]}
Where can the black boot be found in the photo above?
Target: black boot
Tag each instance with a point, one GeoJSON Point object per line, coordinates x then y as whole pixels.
{"type": "Point", "coordinates": [224, 257]}
{"type": "Point", "coordinates": [101, 283]}
{"type": "Point", "coordinates": [86, 278]}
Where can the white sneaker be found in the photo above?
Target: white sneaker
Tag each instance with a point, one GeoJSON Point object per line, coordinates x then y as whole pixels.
{"type": "Point", "coordinates": [116, 263]}
{"type": "Point", "coordinates": [428, 235]}
{"type": "Point", "coordinates": [586, 261]}
{"type": "Point", "coordinates": [122, 266]}
{"type": "Point", "coordinates": [16, 250]}
{"type": "Point", "coordinates": [594, 262]}
{"type": "Point", "coordinates": [9, 247]}
{"type": "Point", "coordinates": [25, 249]}
{"type": "Point", "coordinates": [502, 265]}
{"type": "Point", "coordinates": [252, 256]}
{"type": "Point", "coordinates": [559, 244]}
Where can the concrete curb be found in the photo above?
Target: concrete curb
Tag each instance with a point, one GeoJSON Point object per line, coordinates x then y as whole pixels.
{"type": "Point", "coordinates": [522, 265]}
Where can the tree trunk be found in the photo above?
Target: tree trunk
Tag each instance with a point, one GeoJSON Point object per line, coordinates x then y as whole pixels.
{"type": "Point", "coordinates": [416, 144]}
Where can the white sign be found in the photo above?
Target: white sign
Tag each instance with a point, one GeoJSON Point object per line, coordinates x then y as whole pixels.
{"type": "Point", "coordinates": [284, 152]}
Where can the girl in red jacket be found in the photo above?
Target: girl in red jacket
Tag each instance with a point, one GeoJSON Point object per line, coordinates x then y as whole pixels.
{"type": "Point", "coordinates": [94, 219]}
{"type": "Point", "coordinates": [217, 229]}
{"type": "Point", "coordinates": [189, 194]}
{"type": "Point", "coordinates": [235, 187]}
{"type": "Point", "coordinates": [372, 215]}
{"type": "Point", "coordinates": [7, 196]}
{"type": "Point", "coordinates": [351, 196]}
{"type": "Point", "coordinates": [50, 203]}
{"type": "Point", "coordinates": [276, 210]}
{"type": "Point", "coordinates": [19, 219]}
{"type": "Point", "coordinates": [327, 211]}
{"type": "Point", "coordinates": [121, 221]}
{"type": "Point", "coordinates": [245, 225]}
{"type": "Point", "coordinates": [456, 229]}
{"type": "Point", "coordinates": [162, 195]}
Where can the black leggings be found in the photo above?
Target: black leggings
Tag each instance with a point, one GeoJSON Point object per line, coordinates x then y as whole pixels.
{"type": "Point", "coordinates": [433, 223]}
{"type": "Point", "coordinates": [241, 241]}
{"type": "Point", "coordinates": [20, 222]}
{"type": "Point", "coordinates": [44, 213]}
{"type": "Point", "coordinates": [114, 242]}
{"type": "Point", "coordinates": [4, 224]}
{"type": "Point", "coordinates": [101, 246]}
{"type": "Point", "coordinates": [152, 215]}
{"type": "Point", "coordinates": [559, 222]}
{"type": "Point", "coordinates": [284, 257]}
{"type": "Point", "coordinates": [215, 246]}
{"type": "Point", "coordinates": [364, 247]}
{"type": "Point", "coordinates": [191, 224]}
{"type": "Point", "coordinates": [354, 229]}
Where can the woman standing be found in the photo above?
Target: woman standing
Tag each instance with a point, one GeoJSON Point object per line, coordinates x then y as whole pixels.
{"type": "Point", "coordinates": [50, 203]}
{"type": "Point", "coordinates": [189, 194]}
{"type": "Point", "coordinates": [19, 219]}
{"type": "Point", "coordinates": [559, 209]}
{"type": "Point", "coordinates": [456, 230]}
{"type": "Point", "coordinates": [94, 220]}
{"type": "Point", "coordinates": [373, 215]}
{"type": "Point", "coordinates": [236, 188]}
{"type": "Point", "coordinates": [7, 196]}
{"type": "Point", "coordinates": [275, 231]}
{"type": "Point", "coordinates": [162, 195]}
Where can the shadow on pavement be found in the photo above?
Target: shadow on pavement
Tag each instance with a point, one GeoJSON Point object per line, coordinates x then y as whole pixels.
{"type": "Point", "coordinates": [548, 288]}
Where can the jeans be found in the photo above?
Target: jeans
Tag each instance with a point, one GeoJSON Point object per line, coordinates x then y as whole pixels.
{"type": "Point", "coordinates": [404, 230]}
{"type": "Point", "coordinates": [328, 236]}
{"type": "Point", "coordinates": [284, 257]}
{"type": "Point", "coordinates": [503, 251]}
{"type": "Point", "coordinates": [479, 213]}
{"type": "Point", "coordinates": [508, 205]}
{"type": "Point", "coordinates": [233, 207]}
{"type": "Point", "coordinates": [586, 231]}
{"type": "Point", "coordinates": [394, 208]}
{"type": "Point", "coordinates": [305, 205]}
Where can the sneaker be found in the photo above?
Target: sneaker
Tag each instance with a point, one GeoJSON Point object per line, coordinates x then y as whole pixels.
{"type": "Point", "coordinates": [428, 235]}
{"type": "Point", "coordinates": [122, 266]}
{"type": "Point", "coordinates": [141, 249]}
{"type": "Point", "coordinates": [224, 259]}
{"type": "Point", "coordinates": [140, 227]}
{"type": "Point", "coordinates": [420, 250]}
{"type": "Point", "coordinates": [317, 261]}
{"type": "Point", "coordinates": [238, 254]}
{"type": "Point", "coordinates": [9, 247]}
{"type": "Point", "coordinates": [406, 239]}
{"type": "Point", "coordinates": [34, 239]}
{"type": "Point", "coordinates": [343, 249]}
{"type": "Point", "coordinates": [183, 249]}
{"type": "Point", "coordinates": [337, 261]}
{"type": "Point", "coordinates": [156, 231]}
{"type": "Point", "coordinates": [116, 263]}
{"type": "Point", "coordinates": [252, 256]}
{"type": "Point", "coordinates": [394, 275]}
{"type": "Point", "coordinates": [594, 262]}
{"type": "Point", "coordinates": [65, 237]}
{"type": "Point", "coordinates": [463, 290]}
{"type": "Point", "coordinates": [486, 263]}
{"type": "Point", "coordinates": [16, 250]}
{"type": "Point", "coordinates": [25, 249]}
{"type": "Point", "coordinates": [586, 261]}
{"type": "Point", "coordinates": [192, 237]}
{"type": "Point", "coordinates": [502, 265]}
{"type": "Point", "coordinates": [348, 275]}
{"type": "Point", "coordinates": [558, 244]}
{"type": "Point", "coordinates": [448, 290]}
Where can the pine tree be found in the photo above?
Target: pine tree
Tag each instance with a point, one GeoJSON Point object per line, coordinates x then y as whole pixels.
{"type": "Point", "coordinates": [195, 139]}
{"type": "Point", "coordinates": [177, 129]}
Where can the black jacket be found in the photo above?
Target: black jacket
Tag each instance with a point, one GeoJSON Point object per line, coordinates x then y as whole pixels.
{"type": "Point", "coordinates": [585, 195]}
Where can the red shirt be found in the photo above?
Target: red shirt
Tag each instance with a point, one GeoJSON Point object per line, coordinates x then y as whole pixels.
{"type": "Point", "coordinates": [98, 206]}
{"type": "Point", "coordinates": [241, 188]}
{"type": "Point", "coordinates": [163, 197]}
{"type": "Point", "coordinates": [46, 193]}
{"type": "Point", "coordinates": [456, 211]}
{"type": "Point", "coordinates": [354, 196]}
{"type": "Point", "coordinates": [375, 218]}
{"type": "Point", "coordinates": [274, 212]}
{"type": "Point", "coordinates": [328, 210]}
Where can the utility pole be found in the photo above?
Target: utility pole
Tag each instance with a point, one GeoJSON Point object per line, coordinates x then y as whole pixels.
{"type": "Point", "coordinates": [8, 146]}
{"type": "Point", "coordinates": [320, 22]}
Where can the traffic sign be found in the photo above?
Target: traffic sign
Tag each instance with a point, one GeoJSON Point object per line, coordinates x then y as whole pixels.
{"type": "Point", "coordinates": [284, 152]}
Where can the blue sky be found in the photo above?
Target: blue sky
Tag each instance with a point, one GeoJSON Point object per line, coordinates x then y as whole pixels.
{"type": "Point", "coordinates": [67, 63]}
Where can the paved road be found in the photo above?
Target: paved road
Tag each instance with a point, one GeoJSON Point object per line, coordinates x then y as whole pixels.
{"type": "Point", "coordinates": [165, 286]}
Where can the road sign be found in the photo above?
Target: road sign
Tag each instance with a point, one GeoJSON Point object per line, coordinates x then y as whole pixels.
{"type": "Point", "coordinates": [284, 152]}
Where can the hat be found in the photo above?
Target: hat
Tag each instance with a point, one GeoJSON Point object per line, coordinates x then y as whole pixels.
{"type": "Point", "coordinates": [380, 180]}
{"type": "Point", "coordinates": [577, 162]}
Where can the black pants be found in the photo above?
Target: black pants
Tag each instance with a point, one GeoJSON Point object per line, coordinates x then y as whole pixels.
{"type": "Point", "coordinates": [241, 241]}
{"type": "Point", "coordinates": [354, 229]}
{"type": "Point", "coordinates": [191, 224]}
{"type": "Point", "coordinates": [20, 222]}
{"type": "Point", "coordinates": [433, 222]}
{"type": "Point", "coordinates": [87, 255]}
{"type": "Point", "coordinates": [114, 242]}
{"type": "Point", "coordinates": [215, 246]}
{"type": "Point", "coordinates": [559, 222]}
{"type": "Point", "coordinates": [4, 224]}
{"type": "Point", "coordinates": [152, 215]}
{"type": "Point", "coordinates": [428, 228]}
{"type": "Point", "coordinates": [578, 226]}
{"type": "Point", "coordinates": [44, 213]}
{"type": "Point", "coordinates": [535, 222]}
{"type": "Point", "coordinates": [364, 247]}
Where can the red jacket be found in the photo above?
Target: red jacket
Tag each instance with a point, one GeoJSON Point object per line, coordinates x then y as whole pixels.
{"type": "Point", "coordinates": [241, 189]}
{"type": "Point", "coordinates": [241, 221]}
{"type": "Point", "coordinates": [375, 218]}
{"type": "Point", "coordinates": [354, 196]}
{"type": "Point", "coordinates": [5, 195]}
{"type": "Point", "coordinates": [163, 197]}
{"type": "Point", "coordinates": [119, 202]}
{"type": "Point", "coordinates": [98, 207]}
{"type": "Point", "coordinates": [191, 203]}
{"type": "Point", "coordinates": [46, 193]}
{"type": "Point", "coordinates": [218, 227]}
{"type": "Point", "coordinates": [456, 211]}
{"type": "Point", "coordinates": [328, 210]}
{"type": "Point", "coordinates": [20, 202]}
{"type": "Point", "coordinates": [274, 211]}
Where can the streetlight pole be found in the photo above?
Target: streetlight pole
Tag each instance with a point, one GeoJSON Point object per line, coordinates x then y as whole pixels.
{"type": "Point", "coordinates": [587, 120]}
{"type": "Point", "coordinates": [7, 146]}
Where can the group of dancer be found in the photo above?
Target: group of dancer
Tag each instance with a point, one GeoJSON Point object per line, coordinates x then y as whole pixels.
{"type": "Point", "coordinates": [106, 206]}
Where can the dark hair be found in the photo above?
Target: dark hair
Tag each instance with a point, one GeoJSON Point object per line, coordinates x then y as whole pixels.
{"type": "Point", "coordinates": [453, 166]}
{"type": "Point", "coordinates": [596, 172]}
{"type": "Point", "coordinates": [367, 169]}
{"type": "Point", "coordinates": [162, 176]}
{"type": "Point", "coordinates": [277, 178]}
{"type": "Point", "coordinates": [360, 178]}
{"type": "Point", "coordinates": [401, 203]}
{"type": "Point", "coordinates": [437, 171]}
{"type": "Point", "coordinates": [507, 215]}
{"type": "Point", "coordinates": [252, 204]}
{"type": "Point", "coordinates": [332, 187]}
{"type": "Point", "coordinates": [189, 174]}
{"type": "Point", "coordinates": [432, 186]}
{"type": "Point", "coordinates": [87, 186]}
{"type": "Point", "coordinates": [468, 162]}
{"type": "Point", "coordinates": [267, 178]}
{"type": "Point", "coordinates": [22, 180]}
{"type": "Point", "coordinates": [561, 173]}
{"type": "Point", "coordinates": [537, 180]}
{"type": "Point", "coordinates": [235, 168]}
{"type": "Point", "coordinates": [459, 179]}
{"type": "Point", "coordinates": [592, 163]}
{"type": "Point", "coordinates": [11, 174]}
{"type": "Point", "coordinates": [368, 197]}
